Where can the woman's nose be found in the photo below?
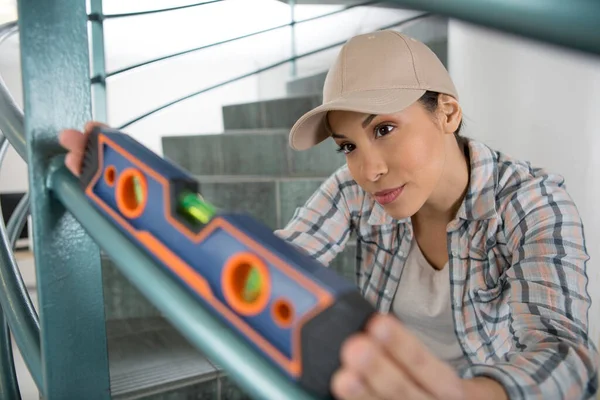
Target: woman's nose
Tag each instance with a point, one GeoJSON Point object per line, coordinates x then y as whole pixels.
{"type": "Point", "coordinates": [373, 166]}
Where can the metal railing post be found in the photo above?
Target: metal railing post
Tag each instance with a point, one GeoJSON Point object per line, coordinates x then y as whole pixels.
{"type": "Point", "coordinates": [55, 70]}
{"type": "Point", "coordinates": [98, 67]}
{"type": "Point", "coordinates": [293, 37]}
{"type": "Point", "coordinates": [9, 384]}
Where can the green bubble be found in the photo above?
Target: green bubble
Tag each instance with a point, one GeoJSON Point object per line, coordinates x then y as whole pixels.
{"type": "Point", "coordinates": [137, 189]}
{"type": "Point", "coordinates": [194, 206]}
{"type": "Point", "coordinates": [252, 286]}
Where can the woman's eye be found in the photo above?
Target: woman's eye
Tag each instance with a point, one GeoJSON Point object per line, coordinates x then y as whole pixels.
{"type": "Point", "coordinates": [383, 130]}
{"type": "Point", "coordinates": [345, 148]}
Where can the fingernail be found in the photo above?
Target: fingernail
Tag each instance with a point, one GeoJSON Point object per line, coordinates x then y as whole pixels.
{"type": "Point", "coordinates": [363, 356]}
{"type": "Point", "coordinates": [381, 330]}
{"type": "Point", "coordinates": [355, 387]}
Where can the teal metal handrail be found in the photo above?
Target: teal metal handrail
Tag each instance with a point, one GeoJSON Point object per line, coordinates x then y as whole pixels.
{"type": "Point", "coordinates": [9, 384]}
{"type": "Point", "coordinates": [17, 221]}
{"type": "Point", "coordinates": [573, 24]}
{"type": "Point", "coordinates": [16, 304]}
{"type": "Point", "coordinates": [260, 70]}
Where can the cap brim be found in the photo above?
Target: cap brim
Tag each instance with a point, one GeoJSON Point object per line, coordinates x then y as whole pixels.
{"type": "Point", "coordinates": [310, 129]}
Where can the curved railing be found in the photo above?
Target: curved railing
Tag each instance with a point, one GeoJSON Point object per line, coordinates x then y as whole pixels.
{"type": "Point", "coordinates": [554, 22]}
{"type": "Point", "coordinates": [263, 69]}
{"type": "Point", "coordinates": [96, 17]}
{"type": "Point", "coordinates": [100, 76]}
{"type": "Point", "coordinates": [18, 311]}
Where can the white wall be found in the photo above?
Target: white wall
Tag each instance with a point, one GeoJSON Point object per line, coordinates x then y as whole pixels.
{"type": "Point", "coordinates": [539, 103]}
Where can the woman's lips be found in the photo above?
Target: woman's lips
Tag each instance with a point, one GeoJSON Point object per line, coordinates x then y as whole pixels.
{"type": "Point", "coordinates": [387, 196]}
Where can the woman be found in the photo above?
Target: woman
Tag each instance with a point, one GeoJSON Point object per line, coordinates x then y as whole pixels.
{"type": "Point", "coordinates": [476, 261]}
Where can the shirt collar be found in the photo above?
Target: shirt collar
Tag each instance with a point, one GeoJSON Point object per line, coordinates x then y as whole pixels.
{"type": "Point", "coordinates": [378, 215]}
{"type": "Point", "coordinates": [480, 201]}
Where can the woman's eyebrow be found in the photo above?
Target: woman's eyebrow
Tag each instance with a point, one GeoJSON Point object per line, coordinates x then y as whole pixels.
{"type": "Point", "coordinates": [365, 123]}
{"type": "Point", "coordinates": [368, 120]}
{"type": "Point", "coordinates": [331, 132]}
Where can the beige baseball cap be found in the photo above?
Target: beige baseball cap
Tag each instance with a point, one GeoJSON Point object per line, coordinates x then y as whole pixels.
{"type": "Point", "coordinates": [376, 73]}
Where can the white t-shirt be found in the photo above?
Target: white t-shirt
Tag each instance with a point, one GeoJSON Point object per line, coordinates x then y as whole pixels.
{"type": "Point", "coordinates": [422, 303]}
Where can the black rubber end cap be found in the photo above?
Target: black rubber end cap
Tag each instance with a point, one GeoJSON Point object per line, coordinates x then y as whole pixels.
{"type": "Point", "coordinates": [323, 336]}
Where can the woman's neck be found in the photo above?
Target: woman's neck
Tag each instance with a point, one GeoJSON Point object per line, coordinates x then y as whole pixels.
{"type": "Point", "coordinates": [452, 187]}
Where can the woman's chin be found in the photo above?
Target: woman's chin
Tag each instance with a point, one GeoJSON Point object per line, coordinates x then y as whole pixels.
{"type": "Point", "coordinates": [400, 211]}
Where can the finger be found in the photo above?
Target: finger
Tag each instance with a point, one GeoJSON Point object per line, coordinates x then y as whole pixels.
{"type": "Point", "coordinates": [347, 385]}
{"type": "Point", "coordinates": [90, 125]}
{"type": "Point", "coordinates": [383, 377]}
{"type": "Point", "coordinates": [73, 163]}
{"type": "Point", "coordinates": [73, 140]}
{"type": "Point", "coordinates": [404, 348]}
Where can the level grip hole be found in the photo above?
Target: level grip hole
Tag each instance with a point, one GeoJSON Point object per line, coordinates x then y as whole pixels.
{"type": "Point", "coordinates": [283, 313]}
{"type": "Point", "coordinates": [110, 174]}
{"type": "Point", "coordinates": [132, 193]}
{"type": "Point", "coordinates": [246, 284]}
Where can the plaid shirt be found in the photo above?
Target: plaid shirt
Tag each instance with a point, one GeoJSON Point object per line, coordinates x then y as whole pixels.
{"type": "Point", "coordinates": [517, 262]}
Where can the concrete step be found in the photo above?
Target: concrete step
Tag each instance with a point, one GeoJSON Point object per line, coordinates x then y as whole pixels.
{"type": "Point", "coordinates": [253, 153]}
{"type": "Point", "coordinates": [389, 4]}
{"type": "Point", "coordinates": [254, 171]}
{"type": "Point", "coordinates": [226, 389]}
{"type": "Point", "coordinates": [274, 113]}
{"type": "Point", "coordinates": [306, 85]}
{"type": "Point", "coordinates": [149, 359]}
{"type": "Point", "coordinates": [122, 300]}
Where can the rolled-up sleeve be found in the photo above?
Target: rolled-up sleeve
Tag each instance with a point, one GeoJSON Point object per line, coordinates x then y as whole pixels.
{"type": "Point", "coordinates": [552, 357]}
{"type": "Point", "coordinates": [322, 226]}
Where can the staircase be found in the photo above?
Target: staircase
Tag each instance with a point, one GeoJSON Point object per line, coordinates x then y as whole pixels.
{"type": "Point", "coordinates": [249, 168]}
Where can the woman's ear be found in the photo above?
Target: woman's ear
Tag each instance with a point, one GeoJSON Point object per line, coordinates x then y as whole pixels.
{"type": "Point", "coordinates": [451, 113]}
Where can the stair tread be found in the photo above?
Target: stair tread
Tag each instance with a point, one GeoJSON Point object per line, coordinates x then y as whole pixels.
{"type": "Point", "coordinates": [147, 356]}
{"type": "Point", "coordinates": [230, 132]}
{"type": "Point", "coordinates": [281, 112]}
{"type": "Point", "coordinates": [286, 98]}
{"type": "Point", "coordinates": [306, 85]}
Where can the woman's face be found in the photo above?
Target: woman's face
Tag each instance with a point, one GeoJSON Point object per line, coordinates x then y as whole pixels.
{"type": "Point", "coordinates": [397, 158]}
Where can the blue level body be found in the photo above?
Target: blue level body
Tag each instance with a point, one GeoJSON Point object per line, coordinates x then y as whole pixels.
{"type": "Point", "coordinates": [289, 307]}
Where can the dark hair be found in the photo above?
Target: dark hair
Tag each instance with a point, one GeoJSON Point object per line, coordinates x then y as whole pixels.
{"type": "Point", "coordinates": [430, 101]}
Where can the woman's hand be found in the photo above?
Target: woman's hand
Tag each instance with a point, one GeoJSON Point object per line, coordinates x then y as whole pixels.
{"type": "Point", "coordinates": [75, 141]}
{"type": "Point", "coordinates": [387, 362]}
